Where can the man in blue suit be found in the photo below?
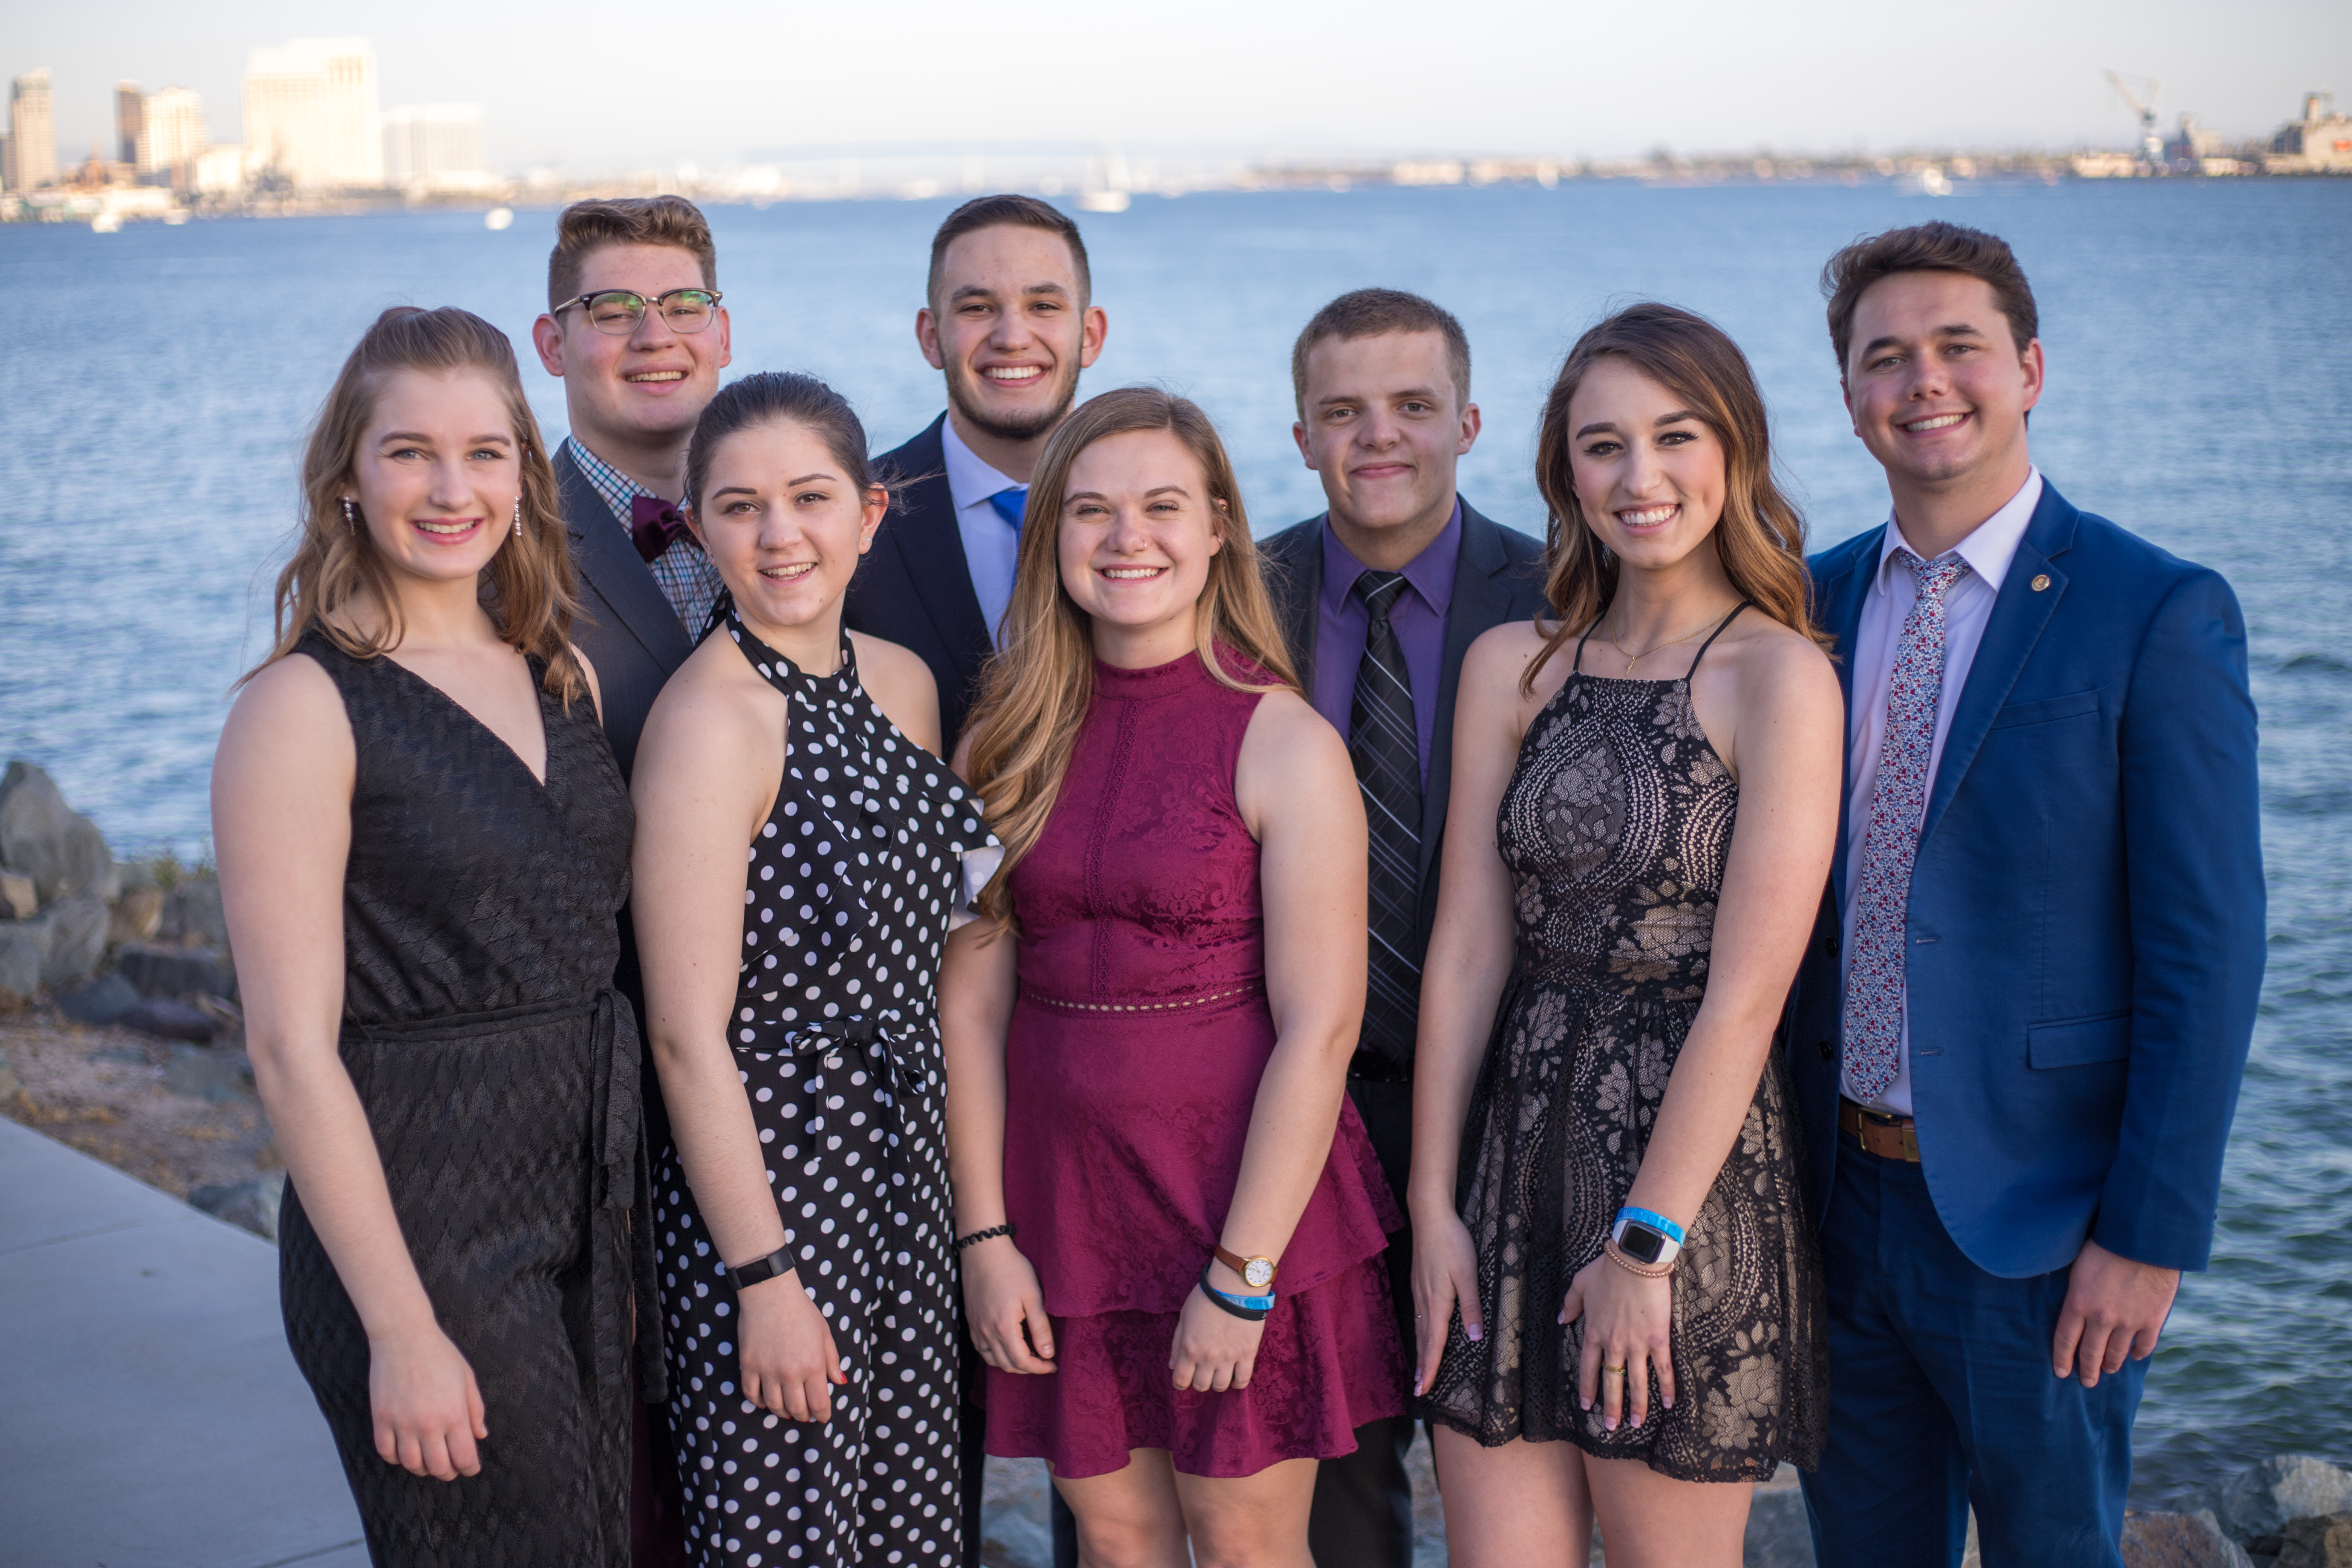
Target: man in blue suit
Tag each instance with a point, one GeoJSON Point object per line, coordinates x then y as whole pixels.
{"type": "Point", "coordinates": [2018, 1033]}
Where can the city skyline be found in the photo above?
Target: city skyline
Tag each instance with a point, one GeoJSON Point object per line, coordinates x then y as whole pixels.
{"type": "Point", "coordinates": [1500, 76]}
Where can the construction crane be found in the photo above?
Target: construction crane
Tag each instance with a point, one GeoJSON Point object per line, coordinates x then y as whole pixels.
{"type": "Point", "coordinates": [2151, 145]}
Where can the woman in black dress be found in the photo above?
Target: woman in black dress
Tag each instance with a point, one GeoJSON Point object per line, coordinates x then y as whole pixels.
{"type": "Point", "coordinates": [423, 842]}
{"type": "Point", "coordinates": [799, 854]}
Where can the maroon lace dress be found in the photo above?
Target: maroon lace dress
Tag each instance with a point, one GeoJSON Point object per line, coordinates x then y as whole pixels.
{"type": "Point", "coordinates": [1132, 1068]}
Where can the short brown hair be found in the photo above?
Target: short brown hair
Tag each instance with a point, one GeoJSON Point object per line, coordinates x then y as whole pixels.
{"type": "Point", "coordinates": [1020, 212]}
{"type": "Point", "coordinates": [589, 226]}
{"type": "Point", "coordinates": [1928, 248]}
{"type": "Point", "coordinates": [1368, 313]}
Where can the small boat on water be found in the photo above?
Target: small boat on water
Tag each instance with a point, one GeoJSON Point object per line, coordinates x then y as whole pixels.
{"type": "Point", "coordinates": [106, 223]}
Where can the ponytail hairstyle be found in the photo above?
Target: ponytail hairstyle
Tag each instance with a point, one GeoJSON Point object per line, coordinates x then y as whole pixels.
{"type": "Point", "coordinates": [529, 588]}
{"type": "Point", "coordinates": [1760, 537]}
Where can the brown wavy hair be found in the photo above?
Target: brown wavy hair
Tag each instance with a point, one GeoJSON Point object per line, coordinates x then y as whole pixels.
{"type": "Point", "coordinates": [1761, 537]}
{"type": "Point", "coordinates": [1034, 693]}
{"type": "Point", "coordinates": [529, 588]}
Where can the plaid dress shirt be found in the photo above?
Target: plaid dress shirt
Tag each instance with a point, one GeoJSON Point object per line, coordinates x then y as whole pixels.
{"type": "Point", "coordinates": [684, 574]}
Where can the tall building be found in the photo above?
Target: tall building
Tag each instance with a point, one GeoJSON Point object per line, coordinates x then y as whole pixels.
{"type": "Point", "coordinates": [32, 133]}
{"type": "Point", "coordinates": [310, 114]}
{"type": "Point", "coordinates": [434, 146]}
{"type": "Point", "coordinates": [173, 133]}
{"type": "Point", "coordinates": [129, 120]}
{"type": "Point", "coordinates": [2319, 143]}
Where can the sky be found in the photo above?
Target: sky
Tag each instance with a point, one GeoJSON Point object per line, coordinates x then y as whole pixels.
{"type": "Point", "coordinates": [597, 86]}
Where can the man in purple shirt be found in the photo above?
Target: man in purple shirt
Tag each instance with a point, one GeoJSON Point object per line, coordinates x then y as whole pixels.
{"type": "Point", "coordinates": [1379, 598]}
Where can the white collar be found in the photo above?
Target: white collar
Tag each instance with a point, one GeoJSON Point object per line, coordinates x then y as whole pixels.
{"type": "Point", "coordinates": [969, 477]}
{"type": "Point", "coordinates": [1991, 545]}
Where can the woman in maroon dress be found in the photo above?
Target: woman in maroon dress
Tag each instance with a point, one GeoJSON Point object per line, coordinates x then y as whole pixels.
{"type": "Point", "coordinates": [1167, 1212]}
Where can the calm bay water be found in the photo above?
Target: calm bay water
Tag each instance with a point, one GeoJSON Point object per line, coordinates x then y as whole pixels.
{"type": "Point", "coordinates": [156, 383]}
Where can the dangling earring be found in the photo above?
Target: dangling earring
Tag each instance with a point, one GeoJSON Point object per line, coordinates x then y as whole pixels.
{"type": "Point", "coordinates": [351, 517]}
{"type": "Point", "coordinates": [518, 517]}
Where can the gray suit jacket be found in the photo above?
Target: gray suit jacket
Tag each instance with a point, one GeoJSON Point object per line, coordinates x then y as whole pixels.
{"type": "Point", "coordinates": [625, 627]}
{"type": "Point", "coordinates": [1497, 578]}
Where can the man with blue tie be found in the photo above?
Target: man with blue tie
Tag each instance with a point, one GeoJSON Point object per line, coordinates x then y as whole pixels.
{"type": "Point", "coordinates": [1010, 321]}
{"type": "Point", "coordinates": [2018, 1034]}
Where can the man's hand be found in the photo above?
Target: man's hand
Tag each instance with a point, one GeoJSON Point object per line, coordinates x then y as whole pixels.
{"type": "Point", "coordinates": [2113, 1308]}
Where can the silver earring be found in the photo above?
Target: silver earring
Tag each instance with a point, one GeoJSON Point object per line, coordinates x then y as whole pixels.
{"type": "Point", "coordinates": [518, 518]}
{"type": "Point", "coordinates": [350, 516]}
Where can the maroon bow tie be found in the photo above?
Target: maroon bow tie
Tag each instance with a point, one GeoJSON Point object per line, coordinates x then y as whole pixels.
{"type": "Point", "coordinates": [653, 523]}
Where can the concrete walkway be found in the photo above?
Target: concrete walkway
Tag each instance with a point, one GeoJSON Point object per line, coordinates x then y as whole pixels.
{"type": "Point", "coordinates": [150, 1414]}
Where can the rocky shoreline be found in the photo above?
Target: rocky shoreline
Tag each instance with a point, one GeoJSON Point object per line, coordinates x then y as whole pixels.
{"type": "Point", "coordinates": [120, 1034]}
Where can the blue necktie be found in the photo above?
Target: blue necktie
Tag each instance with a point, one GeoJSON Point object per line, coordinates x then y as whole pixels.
{"type": "Point", "coordinates": [1011, 503]}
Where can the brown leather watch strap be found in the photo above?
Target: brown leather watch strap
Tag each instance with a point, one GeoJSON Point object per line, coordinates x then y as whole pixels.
{"type": "Point", "coordinates": [1241, 1266]}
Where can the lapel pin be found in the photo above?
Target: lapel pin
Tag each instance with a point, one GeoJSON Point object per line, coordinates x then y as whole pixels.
{"type": "Point", "coordinates": [2041, 581]}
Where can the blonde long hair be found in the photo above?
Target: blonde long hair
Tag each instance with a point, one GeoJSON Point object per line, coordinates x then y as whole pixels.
{"type": "Point", "coordinates": [1036, 692]}
{"type": "Point", "coordinates": [529, 588]}
{"type": "Point", "coordinates": [1761, 537]}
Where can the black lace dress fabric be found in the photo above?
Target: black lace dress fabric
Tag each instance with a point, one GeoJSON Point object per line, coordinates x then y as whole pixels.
{"type": "Point", "coordinates": [852, 880]}
{"type": "Point", "coordinates": [498, 1071]}
{"type": "Point", "coordinates": [1615, 825]}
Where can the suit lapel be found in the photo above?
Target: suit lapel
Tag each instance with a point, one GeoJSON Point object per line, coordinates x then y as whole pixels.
{"type": "Point", "coordinates": [1300, 601]}
{"type": "Point", "coordinates": [1842, 601]}
{"type": "Point", "coordinates": [2018, 615]}
{"type": "Point", "coordinates": [615, 570]}
{"type": "Point", "coordinates": [930, 541]}
{"type": "Point", "coordinates": [1481, 598]}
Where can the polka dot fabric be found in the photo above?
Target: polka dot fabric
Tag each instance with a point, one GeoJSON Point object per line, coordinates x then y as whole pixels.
{"type": "Point", "coordinates": [836, 1039]}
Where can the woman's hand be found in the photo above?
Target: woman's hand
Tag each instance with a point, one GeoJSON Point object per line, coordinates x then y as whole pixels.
{"type": "Point", "coordinates": [786, 1348]}
{"type": "Point", "coordinates": [1445, 1275]}
{"type": "Point", "coordinates": [1215, 1351]}
{"type": "Point", "coordinates": [1006, 1307]}
{"type": "Point", "coordinates": [1627, 1323]}
{"type": "Point", "coordinates": [427, 1405]}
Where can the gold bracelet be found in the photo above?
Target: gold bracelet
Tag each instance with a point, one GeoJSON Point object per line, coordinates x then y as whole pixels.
{"type": "Point", "coordinates": [1618, 1256]}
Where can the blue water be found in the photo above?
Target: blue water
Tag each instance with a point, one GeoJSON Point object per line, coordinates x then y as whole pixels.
{"type": "Point", "coordinates": [157, 382]}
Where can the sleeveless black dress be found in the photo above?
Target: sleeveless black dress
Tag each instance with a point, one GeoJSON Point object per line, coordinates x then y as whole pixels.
{"type": "Point", "coordinates": [852, 881]}
{"type": "Point", "coordinates": [1615, 825]}
{"type": "Point", "coordinates": [498, 1070]}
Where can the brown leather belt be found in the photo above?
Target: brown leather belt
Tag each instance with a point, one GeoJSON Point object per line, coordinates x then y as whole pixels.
{"type": "Point", "coordinates": [1888, 1137]}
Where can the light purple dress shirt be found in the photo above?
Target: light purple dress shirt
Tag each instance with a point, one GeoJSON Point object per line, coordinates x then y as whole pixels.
{"type": "Point", "coordinates": [1341, 623]}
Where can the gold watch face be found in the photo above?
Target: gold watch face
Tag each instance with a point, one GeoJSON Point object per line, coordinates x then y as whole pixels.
{"type": "Point", "coordinates": [1257, 1272]}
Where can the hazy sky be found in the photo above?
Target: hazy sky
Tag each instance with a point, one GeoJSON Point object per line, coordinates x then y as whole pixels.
{"type": "Point", "coordinates": [597, 86]}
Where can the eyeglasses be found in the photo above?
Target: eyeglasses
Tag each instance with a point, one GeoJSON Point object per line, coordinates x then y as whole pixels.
{"type": "Point", "coordinates": [618, 311]}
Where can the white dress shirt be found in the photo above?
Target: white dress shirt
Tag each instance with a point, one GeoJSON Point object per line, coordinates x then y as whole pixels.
{"type": "Point", "coordinates": [1967, 607]}
{"type": "Point", "coordinates": [990, 544]}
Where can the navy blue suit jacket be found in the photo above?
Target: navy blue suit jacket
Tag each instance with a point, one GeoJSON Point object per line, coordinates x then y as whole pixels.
{"type": "Point", "coordinates": [2085, 932]}
{"type": "Point", "coordinates": [914, 587]}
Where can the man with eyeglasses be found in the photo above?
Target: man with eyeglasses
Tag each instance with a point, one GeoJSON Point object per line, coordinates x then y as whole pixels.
{"type": "Point", "coordinates": [635, 328]}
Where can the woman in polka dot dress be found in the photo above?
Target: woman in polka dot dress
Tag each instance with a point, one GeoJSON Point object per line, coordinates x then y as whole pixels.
{"type": "Point", "coordinates": [801, 1219]}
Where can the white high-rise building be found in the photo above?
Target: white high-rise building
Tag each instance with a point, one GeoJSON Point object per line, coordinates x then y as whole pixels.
{"type": "Point", "coordinates": [310, 114]}
{"type": "Point", "coordinates": [172, 131]}
{"type": "Point", "coordinates": [32, 160]}
{"type": "Point", "coordinates": [434, 147]}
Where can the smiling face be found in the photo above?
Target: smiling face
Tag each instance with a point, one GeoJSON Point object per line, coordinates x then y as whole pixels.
{"type": "Point", "coordinates": [785, 526]}
{"type": "Point", "coordinates": [1137, 531]}
{"type": "Point", "coordinates": [1649, 474]}
{"type": "Point", "coordinates": [437, 473]}
{"type": "Point", "coordinates": [1936, 384]}
{"type": "Point", "coordinates": [1012, 330]}
{"type": "Point", "coordinates": [1382, 427]}
{"type": "Point", "coordinates": [627, 394]}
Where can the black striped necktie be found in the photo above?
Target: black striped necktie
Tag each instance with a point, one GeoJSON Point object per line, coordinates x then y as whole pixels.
{"type": "Point", "coordinates": [1385, 746]}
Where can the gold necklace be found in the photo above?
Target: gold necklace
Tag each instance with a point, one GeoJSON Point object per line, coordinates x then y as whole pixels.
{"type": "Point", "coordinates": [1634, 659]}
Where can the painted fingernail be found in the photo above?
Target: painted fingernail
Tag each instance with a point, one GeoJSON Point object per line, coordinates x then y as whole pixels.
{"type": "Point", "coordinates": [1583, 1404]}
{"type": "Point", "coordinates": [1609, 1424]}
{"type": "Point", "coordinates": [1474, 1333]}
{"type": "Point", "coordinates": [1669, 1404]}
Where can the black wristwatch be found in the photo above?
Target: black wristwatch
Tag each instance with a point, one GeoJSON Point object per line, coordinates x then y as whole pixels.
{"type": "Point", "coordinates": [768, 1268]}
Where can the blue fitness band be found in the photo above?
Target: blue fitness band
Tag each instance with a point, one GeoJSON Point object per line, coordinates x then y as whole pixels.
{"type": "Point", "coordinates": [1648, 1238]}
{"type": "Point", "coordinates": [1654, 1220]}
{"type": "Point", "coordinates": [1254, 1308]}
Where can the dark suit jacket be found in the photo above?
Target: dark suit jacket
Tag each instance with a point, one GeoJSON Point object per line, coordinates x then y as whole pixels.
{"type": "Point", "coordinates": [914, 587]}
{"type": "Point", "coordinates": [2085, 925]}
{"type": "Point", "coordinates": [625, 627]}
{"type": "Point", "coordinates": [1497, 578]}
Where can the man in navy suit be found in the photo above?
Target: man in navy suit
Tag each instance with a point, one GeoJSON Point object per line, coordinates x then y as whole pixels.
{"type": "Point", "coordinates": [1010, 319]}
{"type": "Point", "coordinates": [2018, 1034]}
{"type": "Point", "coordinates": [1381, 596]}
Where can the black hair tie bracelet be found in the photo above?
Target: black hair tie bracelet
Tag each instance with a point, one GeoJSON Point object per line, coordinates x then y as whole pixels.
{"type": "Point", "coordinates": [990, 1233]}
{"type": "Point", "coordinates": [1247, 1314]}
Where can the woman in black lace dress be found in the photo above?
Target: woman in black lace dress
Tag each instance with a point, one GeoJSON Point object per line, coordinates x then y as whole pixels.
{"type": "Point", "coordinates": [423, 843]}
{"type": "Point", "coordinates": [1619, 1294]}
{"type": "Point", "coordinates": [798, 857]}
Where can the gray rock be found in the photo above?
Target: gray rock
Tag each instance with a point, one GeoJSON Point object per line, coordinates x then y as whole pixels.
{"type": "Point", "coordinates": [2179, 1540]}
{"type": "Point", "coordinates": [77, 940]}
{"type": "Point", "coordinates": [159, 971]}
{"type": "Point", "coordinates": [2261, 1499]}
{"type": "Point", "coordinates": [202, 1074]}
{"type": "Point", "coordinates": [252, 1204]}
{"type": "Point", "coordinates": [137, 913]}
{"type": "Point", "coordinates": [171, 1020]}
{"type": "Point", "coordinates": [11, 1086]}
{"type": "Point", "coordinates": [22, 948]}
{"type": "Point", "coordinates": [102, 1001]}
{"type": "Point", "coordinates": [19, 899]}
{"type": "Point", "coordinates": [192, 917]}
{"type": "Point", "coordinates": [1778, 1534]}
{"type": "Point", "coordinates": [65, 854]}
{"type": "Point", "coordinates": [2322, 1541]}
